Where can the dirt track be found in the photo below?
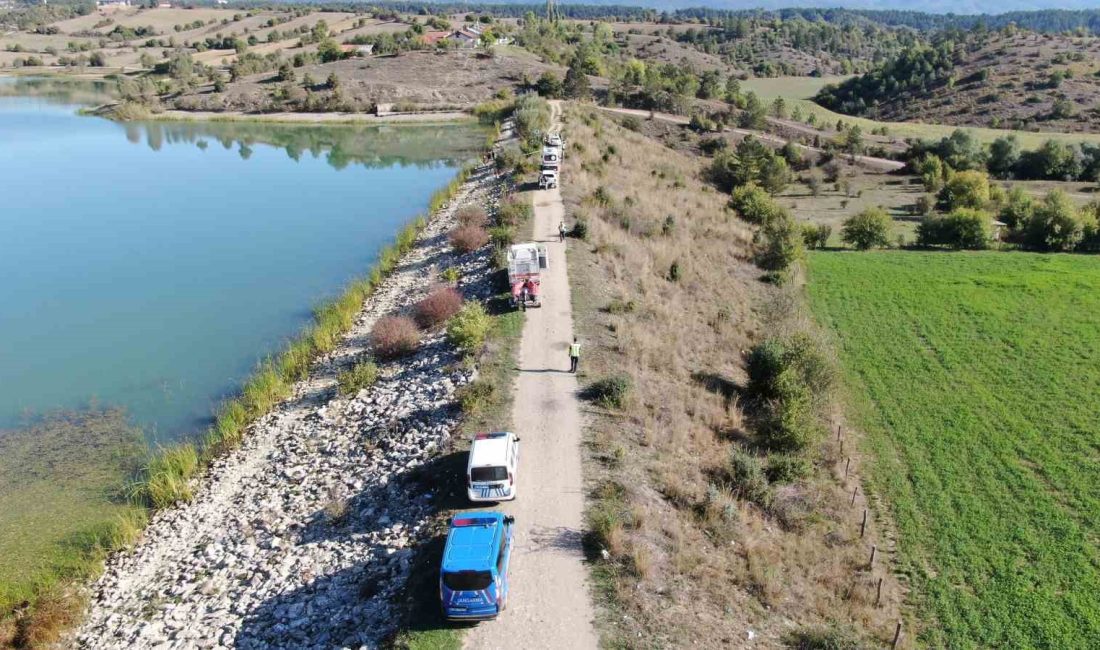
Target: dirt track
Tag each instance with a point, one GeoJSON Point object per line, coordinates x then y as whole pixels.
{"type": "Point", "coordinates": [549, 605]}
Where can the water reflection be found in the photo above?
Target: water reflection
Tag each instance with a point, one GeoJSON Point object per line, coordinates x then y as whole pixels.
{"type": "Point", "coordinates": [422, 146]}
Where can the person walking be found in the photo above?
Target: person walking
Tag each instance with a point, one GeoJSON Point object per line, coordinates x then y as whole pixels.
{"type": "Point", "coordinates": [574, 355]}
{"type": "Point", "coordinates": [561, 231]}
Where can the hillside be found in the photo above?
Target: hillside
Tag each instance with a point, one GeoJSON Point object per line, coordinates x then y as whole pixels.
{"type": "Point", "coordinates": [1007, 79]}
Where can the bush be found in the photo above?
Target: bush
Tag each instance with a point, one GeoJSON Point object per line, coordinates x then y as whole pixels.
{"type": "Point", "coordinates": [466, 239]}
{"type": "Point", "coordinates": [580, 229]}
{"type": "Point", "coordinates": [1017, 209]}
{"type": "Point", "coordinates": [779, 243]}
{"type": "Point", "coordinates": [440, 304]}
{"type": "Point", "coordinates": [799, 353]}
{"type": "Point", "coordinates": [868, 229]}
{"type": "Point", "coordinates": [816, 235]}
{"type": "Point", "coordinates": [514, 211]}
{"type": "Point", "coordinates": [753, 203]}
{"type": "Point", "coordinates": [787, 421]}
{"type": "Point", "coordinates": [476, 396]}
{"type": "Point", "coordinates": [967, 189]}
{"type": "Point", "coordinates": [964, 228]}
{"type": "Point", "coordinates": [394, 336]}
{"type": "Point", "coordinates": [362, 375]}
{"type": "Point", "coordinates": [472, 215]}
{"type": "Point", "coordinates": [610, 392]}
{"type": "Point", "coordinates": [748, 478]}
{"type": "Point", "coordinates": [787, 468]}
{"type": "Point", "coordinates": [451, 274]}
{"type": "Point", "coordinates": [1056, 224]}
{"type": "Point", "coordinates": [469, 328]}
{"type": "Point", "coordinates": [713, 145]}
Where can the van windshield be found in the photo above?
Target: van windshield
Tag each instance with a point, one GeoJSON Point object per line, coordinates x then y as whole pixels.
{"type": "Point", "coordinates": [481, 474]}
{"type": "Point", "coordinates": [468, 580]}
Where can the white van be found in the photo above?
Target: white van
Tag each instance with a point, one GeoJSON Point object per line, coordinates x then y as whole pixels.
{"type": "Point", "coordinates": [491, 470]}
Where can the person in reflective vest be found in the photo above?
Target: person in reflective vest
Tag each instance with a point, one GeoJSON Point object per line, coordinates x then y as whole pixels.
{"type": "Point", "coordinates": [574, 355]}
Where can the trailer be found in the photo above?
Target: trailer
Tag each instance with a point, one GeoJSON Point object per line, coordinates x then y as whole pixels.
{"type": "Point", "coordinates": [526, 262]}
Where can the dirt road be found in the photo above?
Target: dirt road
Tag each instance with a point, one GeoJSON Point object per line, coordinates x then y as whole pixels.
{"type": "Point", "coordinates": [549, 605]}
{"type": "Point", "coordinates": [877, 164]}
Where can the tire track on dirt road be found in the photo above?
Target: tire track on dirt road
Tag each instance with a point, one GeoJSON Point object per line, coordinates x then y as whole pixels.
{"type": "Point", "coordinates": [549, 604]}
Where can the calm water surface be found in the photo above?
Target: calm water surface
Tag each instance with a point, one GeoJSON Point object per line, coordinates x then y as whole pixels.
{"type": "Point", "coordinates": [150, 266]}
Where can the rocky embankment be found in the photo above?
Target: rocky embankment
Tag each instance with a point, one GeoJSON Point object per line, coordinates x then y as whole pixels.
{"type": "Point", "coordinates": [301, 537]}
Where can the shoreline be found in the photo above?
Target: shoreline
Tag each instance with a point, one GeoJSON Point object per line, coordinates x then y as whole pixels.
{"type": "Point", "coordinates": [262, 537]}
{"type": "Point", "coordinates": [173, 115]}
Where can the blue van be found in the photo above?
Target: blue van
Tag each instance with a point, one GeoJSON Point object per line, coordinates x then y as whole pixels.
{"type": "Point", "coordinates": [473, 581]}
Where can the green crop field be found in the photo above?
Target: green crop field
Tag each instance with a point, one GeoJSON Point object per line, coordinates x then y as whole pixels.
{"type": "Point", "coordinates": [976, 379]}
{"type": "Point", "coordinates": [797, 91]}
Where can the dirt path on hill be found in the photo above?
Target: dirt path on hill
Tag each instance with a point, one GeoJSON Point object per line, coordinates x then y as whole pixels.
{"type": "Point", "coordinates": [549, 604]}
{"type": "Point", "coordinates": [877, 164]}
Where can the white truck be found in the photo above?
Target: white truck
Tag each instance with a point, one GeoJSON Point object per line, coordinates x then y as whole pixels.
{"type": "Point", "coordinates": [548, 179]}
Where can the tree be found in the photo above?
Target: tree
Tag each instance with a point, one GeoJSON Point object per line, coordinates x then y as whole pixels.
{"type": "Point", "coordinates": [97, 60]}
{"type": "Point", "coordinates": [286, 72]}
{"type": "Point", "coordinates": [1055, 225]}
{"type": "Point", "coordinates": [964, 228]}
{"type": "Point", "coordinates": [329, 51]}
{"type": "Point", "coordinates": [962, 151]}
{"type": "Point", "coordinates": [968, 189]}
{"type": "Point", "coordinates": [333, 82]}
{"type": "Point", "coordinates": [868, 229]}
{"type": "Point", "coordinates": [1004, 153]}
{"type": "Point", "coordinates": [755, 115]}
{"type": "Point", "coordinates": [779, 243]}
{"type": "Point", "coordinates": [1017, 209]}
{"type": "Point", "coordinates": [933, 172]}
{"type": "Point", "coordinates": [576, 84]}
{"type": "Point", "coordinates": [750, 162]}
{"type": "Point", "coordinates": [219, 84]}
{"type": "Point", "coordinates": [549, 85]}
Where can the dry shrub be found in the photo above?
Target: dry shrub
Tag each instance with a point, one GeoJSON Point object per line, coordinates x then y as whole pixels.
{"type": "Point", "coordinates": [394, 336]}
{"type": "Point", "coordinates": [54, 612]}
{"type": "Point", "coordinates": [466, 239]}
{"type": "Point", "coordinates": [472, 215]}
{"type": "Point", "coordinates": [440, 304]}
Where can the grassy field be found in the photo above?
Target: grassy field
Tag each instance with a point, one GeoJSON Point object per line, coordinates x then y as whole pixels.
{"type": "Point", "coordinates": [797, 91]}
{"type": "Point", "coordinates": [975, 379]}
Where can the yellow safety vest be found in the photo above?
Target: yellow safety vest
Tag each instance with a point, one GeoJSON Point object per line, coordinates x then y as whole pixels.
{"type": "Point", "coordinates": [575, 350]}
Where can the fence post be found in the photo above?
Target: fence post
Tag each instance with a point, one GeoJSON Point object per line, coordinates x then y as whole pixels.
{"type": "Point", "coordinates": [897, 636]}
{"type": "Point", "coordinates": [854, 491]}
{"type": "Point", "coordinates": [878, 595]}
{"type": "Point", "coordinates": [874, 551]}
{"type": "Point", "coordinates": [847, 465]}
{"type": "Point", "coordinates": [863, 526]}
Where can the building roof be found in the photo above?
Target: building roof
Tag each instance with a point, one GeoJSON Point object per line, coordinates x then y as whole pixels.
{"type": "Point", "coordinates": [434, 37]}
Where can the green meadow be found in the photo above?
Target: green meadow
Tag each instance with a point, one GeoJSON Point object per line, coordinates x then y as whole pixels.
{"type": "Point", "coordinates": [975, 378]}
{"type": "Point", "coordinates": [798, 91]}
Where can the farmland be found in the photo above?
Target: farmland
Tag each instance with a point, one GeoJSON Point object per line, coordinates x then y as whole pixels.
{"type": "Point", "coordinates": [974, 378]}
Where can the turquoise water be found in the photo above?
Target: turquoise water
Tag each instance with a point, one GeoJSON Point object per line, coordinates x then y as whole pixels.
{"type": "Point", "coordinates": [150, 266]}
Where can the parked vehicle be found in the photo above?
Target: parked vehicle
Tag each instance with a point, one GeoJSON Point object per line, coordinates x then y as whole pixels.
{"type": "Point", "coordinates": [473, 580]}
{"type": "Point", "coordinates": [526, 262]}
{"type": "Point", "coordinates": [554, 140]}
{"type": "Point", "coordinates": [491, 468]}
{"type": "Point", "coordinates": [551, 158]}
{"type": "Point", "coordinates": [548, 179]}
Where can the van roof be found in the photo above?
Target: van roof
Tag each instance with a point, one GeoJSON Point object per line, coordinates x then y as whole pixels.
{"type": "Point", "coordinates": [472, 542]}
{"type": "Point", "coordinates": [489, 449]}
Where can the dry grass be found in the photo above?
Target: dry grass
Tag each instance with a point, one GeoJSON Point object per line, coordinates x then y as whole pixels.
{"type": "Point", "coordinates": [687, 561]}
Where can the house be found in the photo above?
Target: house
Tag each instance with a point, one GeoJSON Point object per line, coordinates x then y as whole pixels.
{"type": "Point", "coordinates": [352, 49]}
{"type": "Point", "coordinates": [112, 4]}
{"type": "Point", "coordinates": [466, 37]}
{"type": "Point", "coordinates": [431, 38]}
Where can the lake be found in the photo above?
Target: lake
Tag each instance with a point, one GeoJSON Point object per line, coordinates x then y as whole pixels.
{"type": "Point", "coordinates": [146, 268]}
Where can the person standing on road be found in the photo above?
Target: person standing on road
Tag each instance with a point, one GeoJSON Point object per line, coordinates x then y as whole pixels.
{"type": "Point", "coordinates": [561, 231]}
{"type": "Point", "coordinates": [574, 355]}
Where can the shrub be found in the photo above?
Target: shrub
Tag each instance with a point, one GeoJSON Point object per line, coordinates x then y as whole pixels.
{"type": "Point", "coordinates": [816, 235]}
{"type": "Point", "coordinates": [394, 336]}
{"type": "Point", "coordinates": [798, 353]}
{"type": "Point", "coordinates": [472, 215]}
{"type": "Point", "coordinates": [713, 145]}
{"type": "Point", "coordinates": [469, 328]}
{"type": "Point", "coordinates": [868, 229]}
{"type": "Point", "coordinates": [966, 189]}
{"type": "Point", "coordinates": [610, 392]}
{"type": "Point", "coordinates": [748, 478]}
{"type": "Point", "coordinates": [476, 396]}
{"type": "Point", "coordinates": [833, 637]}
{"type": "Point", "coordinates": [964, 228]}
{"type": "Point", "coordinates": [753, 203]}
{"type": "Point", "coordinates": [787, 421]}
{"type": "Point", "coordinates": [779, 243]}
{"type": "Point", "coordinates": [451, 274]}
{"type": "Point", "coordinates": [467, 239]}
{"type": "Point", "coordinates": [515, 210]}
{"type": "Point", "coordinates": [787, 468]}
{"type": "Point", "coordinates": [1056, 224]}
{"type": "Point", "coordinates": [750, 162]}
{"type": "Point", "coordinates": [580, 229]}
{"type": "Point", "coordinates": [502, 237]}
{"type": "Point", "coordinates": [361, 375]}
{"type": "Point", "coordinates": [434, 309]}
